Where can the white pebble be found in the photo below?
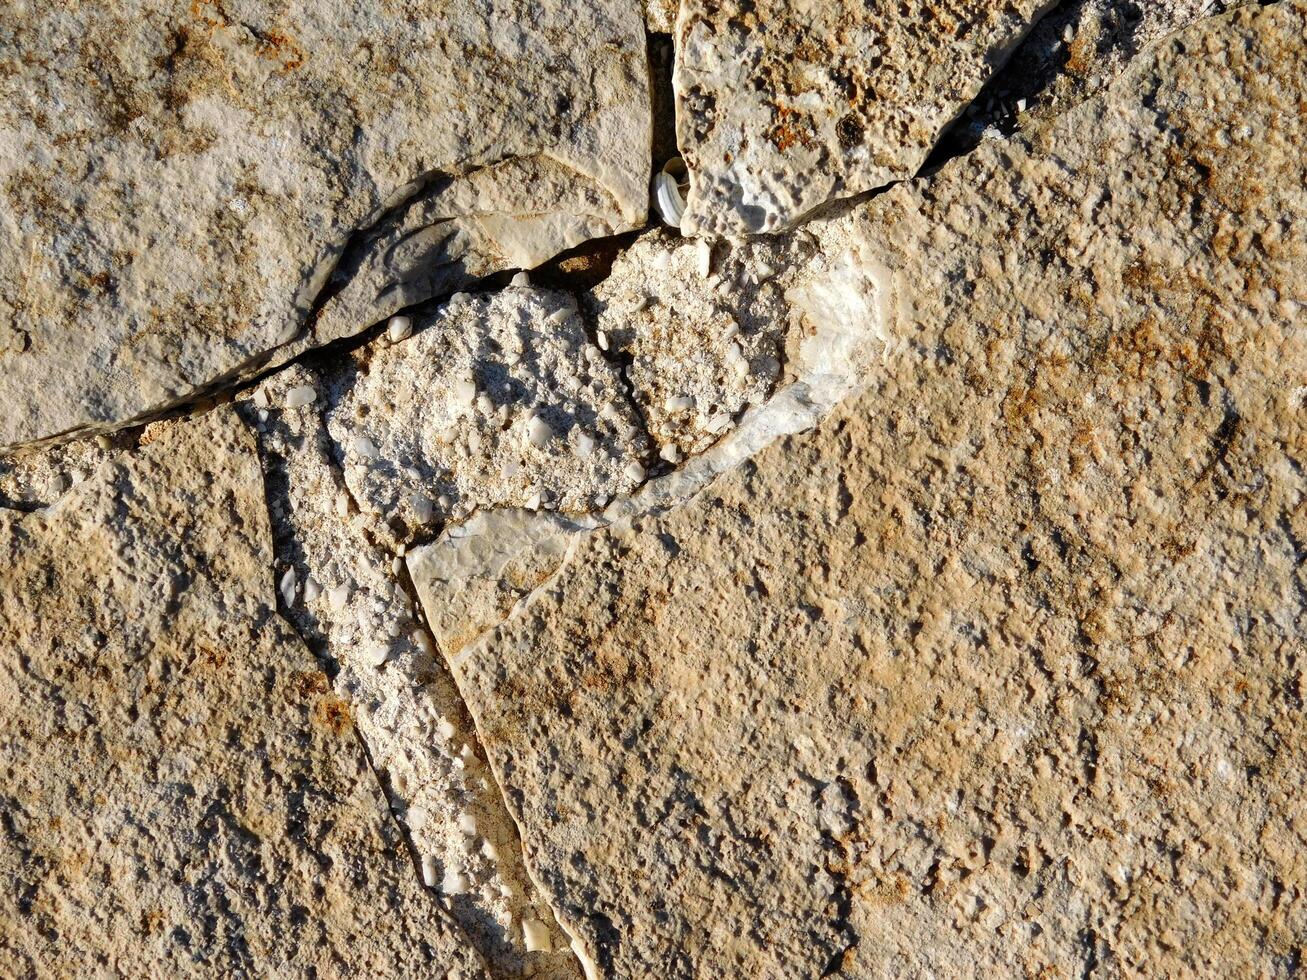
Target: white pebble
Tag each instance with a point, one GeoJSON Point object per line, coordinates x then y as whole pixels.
{"type": "Point", "coordinates": [521, 279]}
{"type": "Point", "coordinates": [1069, 33]}
{"type": "Point", "coordinates": [263, 415]}
{"type": "Point", "coordinates": [260, 399]}
{"type": "Point", "coordinates": [732, 328]}
{"type": "Point", "coordinates": [718, 423]}
{"type": "Point", "coordinates": [365, 447]}
{"type": "Point", "coordinates": [538, 432]}
{"type": "Point", "coordinates": [670, 453]}
{"type": "Point", "coordinates": [103, 442]}
{"type": "Point", "coordinates": [585, 444]}
{"type": "Point", "coordinates": [466, 389]}
{"type": "Point", "coordinates": [287, 586]}
{"type": "Point", "coordinates": [398, 328]}
{"type": "Point", "coordinates": [533, 501]}
{"type": "Point", "coordinates": [602, 339]}
{"type": "Point", "coordinates": [536, 935]}
{"type": "Point", "coordinates": [338, 596]}
{"type": "Point", "coordinates": [396, 565]}
{"type": "Point", "coordinates": [428, 871]}
{"type": "Point", "coordinates": [634, 470]}
{"type": "Point", "coordinates": [416, 818]}
{"type": "Point", "coordinates": [299, 396]}
{"type": "Point", "coordinates": [342, 504]}
{"type": "Point", "coordinates": [443, 502]}
{"type": "Point", "coordinates": [490, 851]}
{"type": "Point", "coordinates": [467, 823]}
{"type": "Point", "coordinates": [311, 589]}
{"type": "Point", "coordinates": [455, 883]}
{"type": "Point", "coordinates": [705, 258]}
{"type": "Point", "coordinates": [446, 728]}
{"type": "Point", "coordinates": [423, 510]}
{"type": "Point", "coordinates": [679, 403]}
{"type": "Point", "coordinates": [377, 654]}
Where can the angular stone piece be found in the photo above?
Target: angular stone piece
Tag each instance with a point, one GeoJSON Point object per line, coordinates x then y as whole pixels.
{"type": "Point", "coordinates": [783, 106]}
{"type": "Point", "coordinates": [499, 399]}
{"type": "Point", "coordinates": [409, 714]}
{"type": "Point", "coordinates": [998, 672]}
{"type": "Point", "coordinates": [181, 180]}
{"type": "Point", "coordinates": [183, 792]}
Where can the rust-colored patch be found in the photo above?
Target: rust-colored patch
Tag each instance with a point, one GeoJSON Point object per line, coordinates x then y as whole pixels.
{"type": "Point", "coordinates": [332, 714]}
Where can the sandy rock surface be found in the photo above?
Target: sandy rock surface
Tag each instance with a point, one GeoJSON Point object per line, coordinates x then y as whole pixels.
{"type": "Point", "coordinates": [183, 179]}
{"type": "Point", "coordinates": [184, 793]}
{"type": "Point", "coordinates": [997, 670]}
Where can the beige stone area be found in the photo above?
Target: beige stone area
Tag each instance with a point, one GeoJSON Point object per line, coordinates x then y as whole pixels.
{"type": "Point", "coordinates": [183, 793]}
{"type": "Point", "coordinates": [782, 106]}
{"type": "Point", "coordinates": [998, 672]}
{"type": "Point", "coordinates": [180, 180]}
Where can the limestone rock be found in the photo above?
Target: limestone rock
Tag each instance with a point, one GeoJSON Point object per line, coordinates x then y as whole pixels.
{"type": "Point", "coordinates": [782, 107]}
{"type": "Point", "coordinates": [184, 794]}
{"type": "Point", "coordinates": [497, 400]}
{"type": "Point", "coordinates": [184, 179]}
{"type": "Point", "coordinates": [347, 598]}
{"type": "Point", "coordinates": [997, 671]}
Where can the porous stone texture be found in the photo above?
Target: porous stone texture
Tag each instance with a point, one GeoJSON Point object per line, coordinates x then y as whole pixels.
{"type": "Point", "coordinates": [997, 672]}
{"type": "Point", "coordinates": [184, 794]}
{"type": "Point", "coordinates": [782, 106]}
{"type": "Point", "coordinates": [498, 399]}
{"type": "Point", "coordinates": [184, 178]}
{"type": "Point", "coordinates": [344, 591]}
{"type": "Point", "coordinates": [702, 329]}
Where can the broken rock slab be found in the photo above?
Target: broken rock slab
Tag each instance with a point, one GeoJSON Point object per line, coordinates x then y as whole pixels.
{"type": "Point", "coordinates": [183, 180]}
{"type": "Point", "coordinates": [995, 672]}
{"type": "Point", "coordinates": [184, 793]}
{"type": "Point", "coordinates": [497, 399]}
{"type": "Point", "coordinates": [782, 107]}
{"type": "Point", "coordinates": [345, 594]}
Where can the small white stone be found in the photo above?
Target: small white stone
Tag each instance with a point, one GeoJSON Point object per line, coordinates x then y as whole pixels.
{"type": "Point", "coordinates": [263, 415]}
{"type": "Point", "coordinates": [377, 654]}
{"type": "Point", "coordinates": [261, 398]}
{"type": "Point", "coordinates": [102, 441]}
{"type": "Point", "coordinates": [536, 936]}
{"type": "Point", "coordinates": [601, 339]}
{"type": "Point", "coordinates": [398, 328]}
{"type": "Point", "coordinates": [521, 279]}
{"type": "Point", "coordinates": [466, 390]}
{"type": "Point", "coordinates": [467, 824]}
{"type": "Point", "coordinates": [718, 423]}
{"type": "Point", "coordinates": [679, 403]}
{"type": "Point", "coordinates": [423, 510]}
{"type": "Point", "coordinates": [474, 443]}
{"type": "Point", "coordinates": [533, 501]}
{"type": "Point", "coordinates": [705, 258]}
{"type": "Point", "coordinates": [732, 328]}
{"type": "Point", "coordinates": [763, 271]}
{"type": "Point", "coordinates": [670, 453]}
{"type": "Point", "coordinates": [287, 586]}
{"type": "Point", "coordinates": [365, 447]}
{"type": "Point", "coordinates": [538, 432]}
{"type": "Point", "coordinates": [338, 596]}
{"type": "Point", "coordinates": [311, 589]}
{"type": "Point", "coordinates": [396, 565]}
{"type": "Point", "coordinates": [1069, 33]}
{"type": "Point", "coordinates": [428, 871]}
{"type": "Point", "coordinates": [1021, 105]}
{"type": "Point", "coordinates": [455, 883]}
{"type": "Point", "coordinates": [446, 728]}
{"type": "Point", "coordinates": [299, 396]}
{"type": "Point", "coordinates": [634, 470]}
{"type": "Point", "coordinates": [444, 503]}
{"type": "Point", "coordinates": [585, 444]}
{"type": "Point", "coordinates": [490, 851]}
{"type": "Point", "coordinates": [342, 504]}
{"type": "Point", "coordinates": [416, 818]}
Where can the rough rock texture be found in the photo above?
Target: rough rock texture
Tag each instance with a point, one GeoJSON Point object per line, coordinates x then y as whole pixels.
{"type": "Point", "coordinates": [183, 793]}
{"type": "Point", "coordinates": [784, 106]}
{"type": "Point", "coordinates": [344, 592]}
{"type": "Point", "coordinates": [498, 399]}
{"type": "Point", "coordinates": [183, 178]}
{"type": "Point", "coordinates": [999, 671]}
{"type": "Point", "coordinates": [702, 327]}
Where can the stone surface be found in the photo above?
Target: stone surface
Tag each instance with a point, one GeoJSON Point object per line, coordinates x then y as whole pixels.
{"type": "Point", "coordinates": [183, 793]}
{"type": "Point", "coordinates": [998, 671]}
{"type": "Point", "coordinates": [498, 399]}
{"type": "Point", "coordinates": [184, 179]}
{"type": "Point", "coordinates": [346, 596]}
{"type": "Point", "coordinates": [782, 107]}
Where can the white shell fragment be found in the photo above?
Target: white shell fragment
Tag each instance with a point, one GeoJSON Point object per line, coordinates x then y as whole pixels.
{"type": "Point", "coordinates": [299, 396]}
{"type": "Point", "coordinates": [398, 328]}
{"type": "Point", "coordinates": [670, 186]}
{"type": "Point", "coordinates": [287, 586]}
{"type": "Point", "coordinates": [535, 934]}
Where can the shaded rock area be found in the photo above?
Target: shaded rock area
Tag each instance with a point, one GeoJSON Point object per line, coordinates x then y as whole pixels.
{"type": "Point", "coordinates": [997, 671]}
{"type": "Point", "coordinates": [184, 179]}
{"type": "Point", "coordinates": [184, 794]}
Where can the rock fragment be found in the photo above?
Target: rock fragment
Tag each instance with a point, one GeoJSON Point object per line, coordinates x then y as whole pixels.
{"type": "Point", "coordinates": [185, 180]}
{"type": "Point", "coordinates": [993, 672]}
{"type": "Point", "coordinates": [183, 791]}
{"type": "Point", "coordinates": [782, 107]}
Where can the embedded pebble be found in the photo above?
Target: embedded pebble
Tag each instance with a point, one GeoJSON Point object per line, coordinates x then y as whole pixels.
{"type": "Point", "coordinates": [398, 328]}
{"type": "Point", "coordinates": [535, 934]}
{"type": "Point", "coordinates": [299, 396]}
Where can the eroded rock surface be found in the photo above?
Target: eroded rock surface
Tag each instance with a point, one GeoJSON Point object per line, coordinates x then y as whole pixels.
{"type": "Point", "coordinates": [997, 671]}
{"type": "Point", "coordinates": [782, 107]}
{"type": "Point", "coordinates": [183, 179]}
{"type": "Point", "coordinates": [342, 589]}
{"type": "Point", "coordinates": [184, 794]}
{"type": "Point", "coordinates": [498, 399]}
